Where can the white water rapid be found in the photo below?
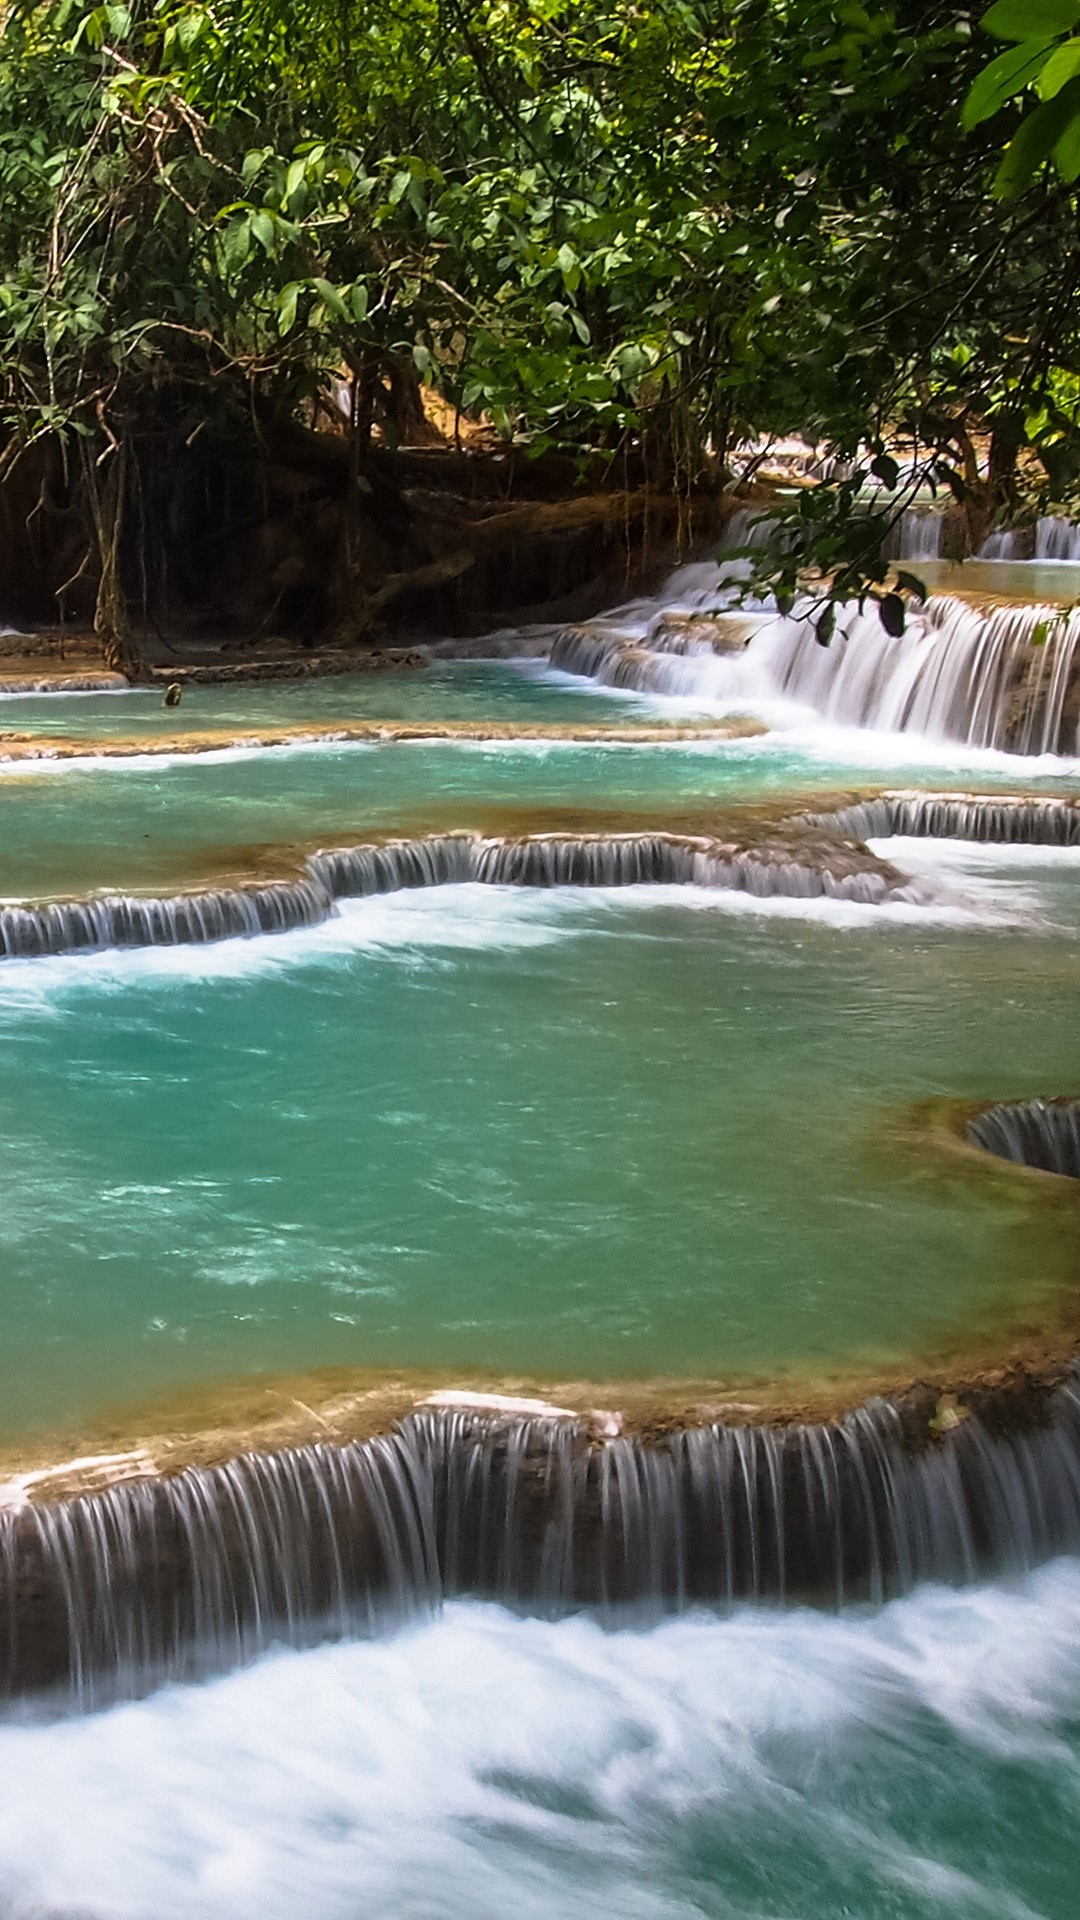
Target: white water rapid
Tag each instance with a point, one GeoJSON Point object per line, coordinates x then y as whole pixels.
{"type": "Point", "coordinates": [1053, 539]}
{"type": "Point", "coordinates": [1007, 677]}
{"type": "Point", "coordinates": [919, 1763]}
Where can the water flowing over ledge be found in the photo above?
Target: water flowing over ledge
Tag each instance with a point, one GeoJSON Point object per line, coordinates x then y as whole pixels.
{"type": "Point", "coordinates": [185, 919]}
{"type": "Point", "coordinates": [62, 683]}
{"type": "Point", "coordinates": [1001, 820]}
{"type": "Point", "coordinates": [1051, 538]}
{"type": "Point", "coordinates": [608, 860]}
{"type": "Point", "coordinates": [1044, 1134]}
{"type": "Point", "coordinates": [544, 860]}
{"type": "Point", "coordinates": [918, 536]}
{"type": "Point", "coordinates": [1006, 678]}
{"type": "Point", "coordinates": [159, 1577]}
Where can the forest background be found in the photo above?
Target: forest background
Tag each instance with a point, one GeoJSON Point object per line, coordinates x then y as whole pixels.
{"type": "Point", "coordinates": [634, 240]}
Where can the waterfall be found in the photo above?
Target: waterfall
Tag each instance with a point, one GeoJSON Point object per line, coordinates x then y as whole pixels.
{"type": "Point", "coordinates": [956, 673]}
{"type": "Point", "coordinates": [129, 920]}
{"type": "Point", "coordinates": [1007, 544]}
{"type": "Point", "coordinates": [1052, 539]}
{"type": "Point", "coordinates": [116, 1590]}
{"type": "Point", "coordinates": [601, 860]}
{"type": "Point", "coordinates": [538, 860]}
{"type": "Point", "coordinates": [1037, 1133]}
{"type": "Point", "coordinates": [916, 535]}
{"type": "Point", "coordinates": [434, 860]}
{"type": "Point", "coordinates": [1057, 539]}
{"type": "Point", "coordinates": [1002, 677]}
{"type": "Point", "coordinates": [1009, 820]}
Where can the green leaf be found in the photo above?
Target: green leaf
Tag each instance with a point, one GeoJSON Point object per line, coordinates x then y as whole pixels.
{"type": "Point", "coordinates": [1026, 19]}
{"type": "Point", "coordinates": [885, 469]}
{"type": "Point", "coordinates": [825, 625]}
{"type": "Point", "coordinates": [332, 299]}
{"type": "Point", "coordinates": [1062, 66]}
{"type": "Point", "coordinates": [1040, 634]}
{"type": "Point", "coordinates": [1034, 142]}
{"type": "Point", "coordinates": [287, 307]}
{"type": "Point", "coordinates": [911, 583]}
{"type": "Point", "coordinates": [1010, 73]}
{"type": "Point", "coordinates": [253, 161]}
{"type": "Point", "coordinates": [892, 614]}
{"type": "Point", "coordinates": [263, 228]}
{"type": "Point", "coordinates": [1067, 151]}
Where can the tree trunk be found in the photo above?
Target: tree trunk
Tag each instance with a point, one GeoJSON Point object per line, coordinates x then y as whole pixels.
{"type": "Point", "coordinates": [112, 622]}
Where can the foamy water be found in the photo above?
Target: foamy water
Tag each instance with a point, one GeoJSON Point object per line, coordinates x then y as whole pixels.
{"type": "Point", "coordinates": [472, 917]}
{"type": "Point", "coordinates": [921, 1761]}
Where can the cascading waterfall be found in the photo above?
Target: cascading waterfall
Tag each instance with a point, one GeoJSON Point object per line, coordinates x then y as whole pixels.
{"type": "Point", "coordinates": [1004, 678]}
{"type": "Point", "coordinates": [1052, 539]}
{"type": "Point", "coordinates": [609, 860]}
{"type": "Point", "coordinates": [185, 919]}
{"type": "Point", "coordinates": [1036, 1133]}
{"type": "Point", "coordinates": [1057, 539]}
{"type": "Point", "coordinates": [1001, 819]}
{"type": "Point", "coordinates": [435, 860]}
{"type": "Point", "coordinates": [916, 535]}
{"type": "Point", "coordinates": [117, 1589]}
{"type": "Point", "coordinates": [998, 678]}
{"type": "Point", "coordinates": [542, 860]}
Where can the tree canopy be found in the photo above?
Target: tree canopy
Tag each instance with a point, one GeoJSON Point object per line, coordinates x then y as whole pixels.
{"type": "Point", "coordinates": [656, 232]}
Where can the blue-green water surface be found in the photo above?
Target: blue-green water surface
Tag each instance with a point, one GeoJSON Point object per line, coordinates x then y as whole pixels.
{"type": "Point", "coordinates": [460, 690]}
{"type": "Point", "coordinates": [545, 1134]}
{"type": "Point", "coordinates": [160, 824]}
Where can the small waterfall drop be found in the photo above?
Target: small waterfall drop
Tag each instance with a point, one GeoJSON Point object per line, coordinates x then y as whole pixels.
{"type": "Point", "coordinates": [999, 678]}
{"type": "Point", "coordinates": [539, 860]}
{"type": "Point", "coordinates": [1004, 820]}
{"type": "Point", "coordinates": [1057, 539]}
{"type": "Point", "coordinates": [917, 535]}
{"type": "Point", "coordinates": [602, 860]}
{"type": "Point", "coordinates": [64, 681]}
{"type": "Point", "coordinates": [185, 919]}
{"type": "Point", "coordinates": [1035, 1133]}
{"type": "Point", "coordinates": [115, 1590]}
{"type": "Point", "coordinates": [1051, 539]}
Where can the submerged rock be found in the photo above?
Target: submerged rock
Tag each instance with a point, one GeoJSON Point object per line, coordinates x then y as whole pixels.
{"type": "Point", "coordinates": [689, 632]}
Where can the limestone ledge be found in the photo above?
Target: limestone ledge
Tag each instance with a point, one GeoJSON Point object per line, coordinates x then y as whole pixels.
{"type": "Point", "coordinates": [15, 746]}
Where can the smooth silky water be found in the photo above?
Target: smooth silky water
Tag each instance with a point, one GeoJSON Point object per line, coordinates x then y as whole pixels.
{"type": "Point", "coordinates": [494, 1131]}
{"type": "Point", "coordinates": [917, 1763]}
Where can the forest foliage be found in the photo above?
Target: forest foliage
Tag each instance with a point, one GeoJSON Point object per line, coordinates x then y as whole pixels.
{"type": "Point", "coordinates": [665, 230]}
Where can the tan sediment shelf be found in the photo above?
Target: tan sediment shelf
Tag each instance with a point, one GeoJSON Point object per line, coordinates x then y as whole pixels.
{"type": "Point", "coordinates": [219, 1421]}
{"type": "Point", "coordinates": [16, 746]}
{"type": "Point", "coordinates": [28, 676]}
{"type": "Point", "coordinates": [769, 828]}
{"type": "Point", "coordinates": [824, 831]}
{"type": "Point", "coordinates": [816, 829]}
